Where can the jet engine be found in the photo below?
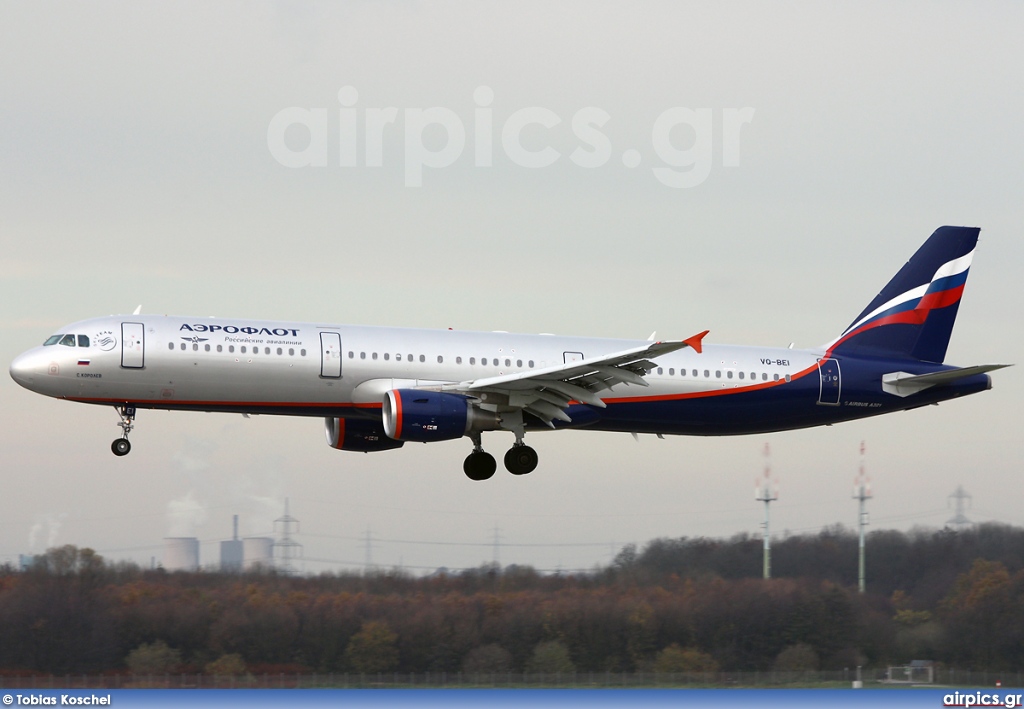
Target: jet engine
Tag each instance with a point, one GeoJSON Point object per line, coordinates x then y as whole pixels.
{"type": "Point", "coordinates": [428, 416]}
{"type": "Point", "coordinates": [360, 435]}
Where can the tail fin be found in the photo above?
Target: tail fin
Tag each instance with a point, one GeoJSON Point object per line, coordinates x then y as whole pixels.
{"type": "Point", "coordinates": [913, 316]}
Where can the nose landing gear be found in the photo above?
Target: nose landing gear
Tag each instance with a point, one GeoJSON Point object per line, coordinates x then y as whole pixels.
{"type": "Point", "coordinates": [121, 446]}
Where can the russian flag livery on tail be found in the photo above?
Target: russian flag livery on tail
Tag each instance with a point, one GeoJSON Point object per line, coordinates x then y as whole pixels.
{"type": "Point", "coordinates": [913, 316]}
{"type": "Point", "coordinates": [377, 387]}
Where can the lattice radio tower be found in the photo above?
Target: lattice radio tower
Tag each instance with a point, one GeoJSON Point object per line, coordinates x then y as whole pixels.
{"type": "Point", "coordinates": [766, 490]}
{"type": "Point", "coordinates": [862, 493]}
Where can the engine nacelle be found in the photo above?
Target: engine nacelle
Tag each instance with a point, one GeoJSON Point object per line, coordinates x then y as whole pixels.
{"type": "Point", "coordinates": [360, 435]}
{"type": "Point", "coordinates": [425, 416]}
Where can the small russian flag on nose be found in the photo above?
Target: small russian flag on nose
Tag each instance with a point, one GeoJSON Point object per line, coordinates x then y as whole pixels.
{"type": "Point", "coordinates": [83, 362]}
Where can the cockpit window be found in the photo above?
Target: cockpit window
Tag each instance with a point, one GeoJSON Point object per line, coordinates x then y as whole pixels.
{"type": "Point", "coordinates": [68, 340]}
{"type": "Point", "coordinates": [52, 340]}
{"type": "Point", "coordinates": [83, 341]}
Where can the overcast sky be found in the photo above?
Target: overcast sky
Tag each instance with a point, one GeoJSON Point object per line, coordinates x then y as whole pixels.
{"type": "Point", "coordinates": [136, 166]}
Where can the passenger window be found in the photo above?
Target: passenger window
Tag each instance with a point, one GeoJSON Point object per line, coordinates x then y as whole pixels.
{"type": "Point", "coordinates": [170, 345]}
{"type": "Point", "coordinates": [220, 348]}
{"type": "Point", "coordinates": [302, 353]}
{"type": "Point", "coordinates": [531, 364]}
{"type": "Point", "coordinates": [183, 347]}
{"type": "Point", "coordinates": [398, 357]}
{"type": "Point", "coordinates": [68, 341]}
{"type": "Point", "coordinates": [764, 376]}
{"type": "Point", "coordinates": [718, 373]}
{"type": "Point", "coordinates": [508, 363]}
{"type": "Point", "coordinates": [280, 351]}
{"type": "Point", "coordinates": [660, 370]}
{"type": "Point", "coordinates": [362, 355]}
{"type": "Point", "coordinates": [440, 359]}
{"type": "Point", "coordinates": [742, 375]}
{"type": "Point", "coordinates": [410, 358]}
{"type": "Point", "coordinates": [387, 356]}
{"type": "Point", "coordinates": [206, 347]}
{"type": "Point", "coordinates": [195, 347]}
{"type": "Point", "coordinates": [422, 358]}
{"type": "Point", "coordinates": [472, 360]}
{"type": "Point", "coordinates": [374, 355]}
{"type": "Point", "coordinates": [671, 371]}
{"type": "Point", "coordinates": [291, 352]}
{"type": "Point", "coordinates": [728, 374]}
{"type": "Point", "coordinates": [242, 349]}
{"type": "Point", "coordinates": [495, 361]}
{"type": "Point", "coordinates": [83, 341]}
{"type": "Point", "coordinates": [231, 348]}
{"type": "Point", "coordinates": [351, 354]}
{"type": "Point", "coordinates": [707, 374]}
{"type": "Point", "coordinates": [695, 373]}
{"type": "Point", "coordinates": [789, 378]}
{"type": "Point", "coordinates": [519, 363]}
{"type": "Point", "coordinates": [266, 350]}
{"type": "Point", "coordinates": [682, 372]}
{"type": "Point", "coordinates": [776, 377]}
{"type": "Point", "coordinates": [458, 360]}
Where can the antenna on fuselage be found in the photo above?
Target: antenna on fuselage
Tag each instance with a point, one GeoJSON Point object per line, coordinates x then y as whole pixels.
{"type": "Point", "coordinates": [138, 309]}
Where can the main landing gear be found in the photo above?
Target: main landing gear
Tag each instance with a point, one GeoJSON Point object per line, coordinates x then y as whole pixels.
{"type": "Point", "coordinates": [121, 446]}
{"type": "Point", "coordinates": [519, 460]}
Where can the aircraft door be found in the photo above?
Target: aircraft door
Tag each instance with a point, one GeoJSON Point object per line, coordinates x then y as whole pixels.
{"type": "Point", "coordinates": [330, 355]}
{"type": "Point", "coordinates": [572, 356]}
{"type": "Point", "coordinates": [831, 383]}
{"type": "Point", "coordinates": [133, 345]}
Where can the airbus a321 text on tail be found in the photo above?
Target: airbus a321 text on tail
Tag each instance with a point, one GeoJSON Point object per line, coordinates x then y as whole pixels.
{"type": "Point", "coordinates": [379, 387]}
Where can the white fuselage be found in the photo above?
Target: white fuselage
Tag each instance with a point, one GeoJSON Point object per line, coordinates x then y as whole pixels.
{"type": "Point", "coordinates": [313, 369]}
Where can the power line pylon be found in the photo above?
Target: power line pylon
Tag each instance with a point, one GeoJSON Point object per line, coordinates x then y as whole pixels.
{"type": "Point", "coordinates": [862, 493]}
{"type": "Point", "coordinates": [767, 491]}
{"type": "Point", "coordinates": [287, 549]}
{"type": "Point", "coordinates": [959, 520]}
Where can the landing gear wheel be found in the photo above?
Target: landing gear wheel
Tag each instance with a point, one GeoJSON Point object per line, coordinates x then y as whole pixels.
{"type": "Point", "coordinates": [126, 412]}
{"type": "Point", "coordinates": [479, 465]}
{"type": "Point", "coordinates": [521, 460]}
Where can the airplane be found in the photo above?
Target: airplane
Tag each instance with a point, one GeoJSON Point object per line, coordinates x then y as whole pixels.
{"type": "Point", "coordinates": [379, 387]}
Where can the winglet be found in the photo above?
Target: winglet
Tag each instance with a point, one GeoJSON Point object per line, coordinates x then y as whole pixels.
{"type": "Point", "coordinates": [695, 341]}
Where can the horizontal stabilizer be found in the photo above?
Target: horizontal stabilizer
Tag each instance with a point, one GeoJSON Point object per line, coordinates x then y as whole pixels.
{"type": "Point", "coordinates": [904, 384]}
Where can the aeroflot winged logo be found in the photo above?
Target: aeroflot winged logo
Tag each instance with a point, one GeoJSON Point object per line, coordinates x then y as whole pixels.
{"type": "Point", "coordinates": [235, 329]}
{"type": "Point", "coordinates": [105, 340]}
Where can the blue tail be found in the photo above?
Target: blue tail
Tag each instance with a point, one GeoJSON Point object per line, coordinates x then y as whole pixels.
{"type": "Point", "coordinates": [913, 316]}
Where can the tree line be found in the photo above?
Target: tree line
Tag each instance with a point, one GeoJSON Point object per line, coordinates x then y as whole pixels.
{"type": "Point", "coordinates": [676, 605]}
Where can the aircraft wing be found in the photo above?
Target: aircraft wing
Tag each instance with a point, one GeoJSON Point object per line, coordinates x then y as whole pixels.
{"type": "Point", "coordinates": [546, 393]}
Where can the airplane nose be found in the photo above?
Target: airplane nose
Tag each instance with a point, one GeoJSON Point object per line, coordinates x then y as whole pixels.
{"type": "Point", "coordinates": [22, 369]}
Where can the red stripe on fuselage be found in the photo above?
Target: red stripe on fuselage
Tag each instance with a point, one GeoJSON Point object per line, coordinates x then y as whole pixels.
{"type": "Point", "coordinates": [712, 392]}
{"type": "Point", "coordinates": [239, 404]}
